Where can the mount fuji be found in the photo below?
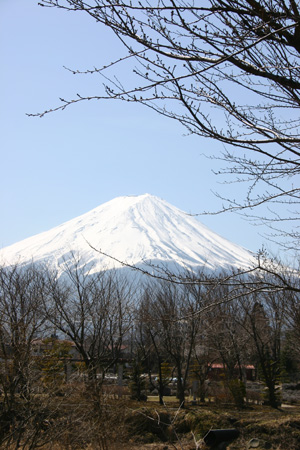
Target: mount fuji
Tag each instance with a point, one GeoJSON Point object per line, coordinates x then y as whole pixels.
{"type": "Point", "coordinates": [137, 230]}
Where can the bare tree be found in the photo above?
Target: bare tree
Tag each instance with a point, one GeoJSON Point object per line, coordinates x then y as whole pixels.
{"type": "Point", "coordinates": [225, 70]}
{"type": "Point", "coordinates": [22, 295]}
{"type": "Point", "coordinates": [263, 319]}
{"type": "Point", "coordinates": [200, 295]}
{"type": "Point", "coordinates": [149, 342]}
{"type": "Point", "coordinates": [292, 334]}
{"type": "Point", "coordinates": [226, 340]}
{"type": "Point", "coordinates": [22, 320]}
{"type": "Point", "coordinates": [174, 314]}
{"type": "Point", "coordinates": [93, 311]}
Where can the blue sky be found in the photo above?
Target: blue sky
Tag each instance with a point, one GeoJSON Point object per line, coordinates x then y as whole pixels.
{"type": "Point", "coordinates": [58, 167]}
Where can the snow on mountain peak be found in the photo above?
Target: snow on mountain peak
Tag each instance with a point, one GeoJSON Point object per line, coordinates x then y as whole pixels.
{"type": "Point", "coordinates": [133, 229]}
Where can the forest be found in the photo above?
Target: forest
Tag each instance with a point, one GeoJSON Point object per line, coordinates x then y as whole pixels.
{"type": "Point", "coordinates": [75, 346]}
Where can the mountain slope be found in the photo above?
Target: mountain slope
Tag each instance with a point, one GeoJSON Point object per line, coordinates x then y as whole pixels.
{"type": "Point", "coordinates": [135, 229]}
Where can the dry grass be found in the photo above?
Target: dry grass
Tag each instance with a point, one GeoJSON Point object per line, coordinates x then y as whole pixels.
{"type": "Point", "coordinates": [275, 429]}
{"type": "Point", "coordinates": [125, 424]}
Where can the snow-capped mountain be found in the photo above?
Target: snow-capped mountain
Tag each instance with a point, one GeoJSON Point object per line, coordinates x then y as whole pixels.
{"type": "Point", "coordinates": [133, 229]}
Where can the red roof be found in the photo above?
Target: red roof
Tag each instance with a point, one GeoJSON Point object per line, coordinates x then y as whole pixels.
{"type": "Point", "coordinates": [221, 366]}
